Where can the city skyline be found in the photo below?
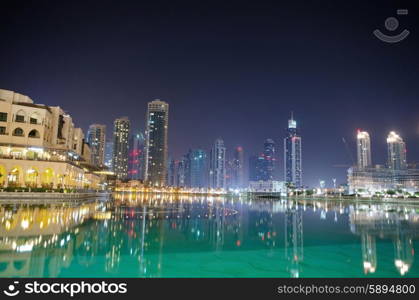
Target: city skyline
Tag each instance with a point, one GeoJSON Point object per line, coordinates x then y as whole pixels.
{"type": "Point", "coordinates": [247, 71]}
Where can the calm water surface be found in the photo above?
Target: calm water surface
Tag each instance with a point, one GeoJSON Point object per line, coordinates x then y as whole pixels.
{"type": "Point", "coordinates": [170, 236]}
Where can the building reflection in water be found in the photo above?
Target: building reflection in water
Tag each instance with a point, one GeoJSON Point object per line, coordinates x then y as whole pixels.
{"type": "Point", "coordinates": [37, 241]}
{"type": "Point", "coordinates": [398, 223]}
{"type": "Point", "coordinates": [294, 238]}
{"type": "Point", "coordinates": [139, 235]}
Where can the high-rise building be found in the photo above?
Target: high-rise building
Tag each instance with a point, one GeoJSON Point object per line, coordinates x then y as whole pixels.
{"type": "Point", "coordinates": [172, 173]}
{"type": "Point", "coordinates": [182, 172]}
{"type": "Point", "coordinates": [396, 152]}
{"type": "Point", "coordinates": [157, 123]}
{"type": "Point", "coordinates": [292, 155]}
{"type": "Point", "coordinates": [217, 171]}
{"type": "Point", "coordinates": [363, 149]}
{"type": "Point", "coordinates": [256, 163]}
{"type": "Point", "coordinates": [237, 166]}
{"type": "Point", "coordinates": [108, 155]}
{"type": "Point", "coordinates": [136, 154]}
{"type": "Point", "coordinates": [197, 168]}
{"type": "Point", "coordinates": [96, 139]}
{"type": "Point", "coordinates": [268, 166]}
{"type": "Point", "coordinates": [120, 147]}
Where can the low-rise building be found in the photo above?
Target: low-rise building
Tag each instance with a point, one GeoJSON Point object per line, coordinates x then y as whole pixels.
{"type": "Point", "coordinates": [268, 187]}
{"type": "Point", "coordinates": [40, 146]}
{"type": "Point", "coordinates": [381, 179]}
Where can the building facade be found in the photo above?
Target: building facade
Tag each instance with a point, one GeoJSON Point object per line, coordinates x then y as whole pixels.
{"type": "Point", "coordinates": [41, 147]}
{"type": "Point", "coordinates": [238, 168]}
{"type": "Point", "coordinates": [396, 176]}
{"type": "Point", "coordinates": [136, 157]}
{"type": "Point", "coordinates": [268, 164]}
{"type": "Point", "coordinates": [197, 168]}
{"type": "Point", "coordinates": [293, 155]}
{"type": "Point", "coordinates": [217, 170]}
{"type": "Point", "coordinates": [396, 150]}
{"type": "Point", "coordinates": [120, 148]}
{"type": "Point", "coordinates": [381, 179]}
{"type": "Point", "coordinates": [182, 172]}
{"type": "Point", "coordinates": [96, 137]}
{"type": "Point", "coordinates": [255, 167]}
{"type": "Point", "coordinates": [108, 155]}
{"type": "Point", "coordinates": [268, 186]}
{"type": "Point", "coordinates": [157, 124]}
{"type": "Point", "coordinates": [363, 149]}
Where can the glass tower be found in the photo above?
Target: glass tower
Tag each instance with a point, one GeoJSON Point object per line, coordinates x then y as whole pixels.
{"type": "Point", "coordinates": [197, 168]}
{"type": "Point", "coordinates": [157, 123]}
{"type": "Point", "coordinates": [292, 155]}
{"type": "Point", "coordinates": [268, 166]}
{"type": "Point", "coordinates": [396, 152]}
{"type": "Point", "coordinates": [238, 168]}
{"type": "Point", "coordinates": [217, 171]}
{"type": "Point", "coordinates": [136, 154]}
{"type": "Point", "coordinates": [363, 149]}
{"type": "Point", "coordinates": [120, 148]}
{"type": "Point", "coordinates": [96, 140]}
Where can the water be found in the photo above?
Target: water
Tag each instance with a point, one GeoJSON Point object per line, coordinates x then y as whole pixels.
{"type": "Point", "coordinates": [170, 236]}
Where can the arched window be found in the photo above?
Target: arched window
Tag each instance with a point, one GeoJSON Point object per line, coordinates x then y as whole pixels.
{"type": "Point", "coordinates": [20, 116]}
{"type": "Point", "coordinates": [18, 132]}
{"type": "Point", "coordinates": [34, 119]}
{"type": "Point", "coordinates": [34, 133]}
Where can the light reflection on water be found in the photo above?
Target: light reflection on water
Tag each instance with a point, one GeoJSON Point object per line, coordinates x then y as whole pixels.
{"type": "Point", "coordinates": [146, 235]}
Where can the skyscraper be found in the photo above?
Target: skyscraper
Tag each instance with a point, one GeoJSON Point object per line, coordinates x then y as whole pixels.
{"type": "Point", "coordinates": [256, 163]}
{"type": "Point", "coordinates": [182, 172]}
{"type": "Point", "coordinates": [109, 155]}
{"type": "Point", "coordinates": [96, 140]}
{"type": "Point", "coordinates": [268, 166]}
{"type": "Point", "coordinates": [120, 148]}
{"type": "Point", "coordinates": [238, 168]}
{"type": "Point", "coordinates": [136, 153]}
{"type": "Point", "coordinates": [157, 123]}
{"type": "Point", "coordinates": [197, 168]}
{"type": "Point", "coordinates": [217, 172]}
{"type": "Point", "coordinates": [292, 155]}
{"type": "Point", "coordinates": [172, 173]}
{"type": "Point", "coordinates": [396, 152]}
{"type": "Point", "coordinates": [363, 149]}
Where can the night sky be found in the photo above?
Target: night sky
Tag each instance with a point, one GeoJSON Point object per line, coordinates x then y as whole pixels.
{"type": "Point", "coordinates": [228, 69]}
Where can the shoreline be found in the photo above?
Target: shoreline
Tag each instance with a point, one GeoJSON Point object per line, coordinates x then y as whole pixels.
{"type": "Point", "coordinates": [42, 197]}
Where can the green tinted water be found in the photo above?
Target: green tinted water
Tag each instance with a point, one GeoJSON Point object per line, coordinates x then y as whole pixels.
{"type": "Point", "coordinates": [165, 236]}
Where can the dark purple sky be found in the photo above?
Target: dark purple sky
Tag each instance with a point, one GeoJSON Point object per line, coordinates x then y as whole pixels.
{"type": "Point", "coordinates": [232, 69]}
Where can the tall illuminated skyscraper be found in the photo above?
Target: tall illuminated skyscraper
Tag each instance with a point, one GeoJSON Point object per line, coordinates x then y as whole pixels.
{"type": "Point", "coordinates": [396, 152]}
{"type": "Point", "coordinates": [268, 166]}
{"type": "Point", "coordinates": [136, 156]}
{"type": "Point", "coordinates": [363, 149]}
{"type": "Point", "coordinates": [292, 155]}
{"type": "Point", "coordinates": [120, 147]}
{"type": "Point", "coordinates": [217, 175]}
{"type": "Point", "coordinates": [197, 168]}
{"type": "Point", "coordinates": [157, 123]}
{"type": "Point", "coordinates": [109, 155]}
{"type": "Point", "coordinates": [256, 163]}
{"type": "Point", "coordinates": [238, 168]}
{"type": "Point", "coordinates": [96, 140]}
